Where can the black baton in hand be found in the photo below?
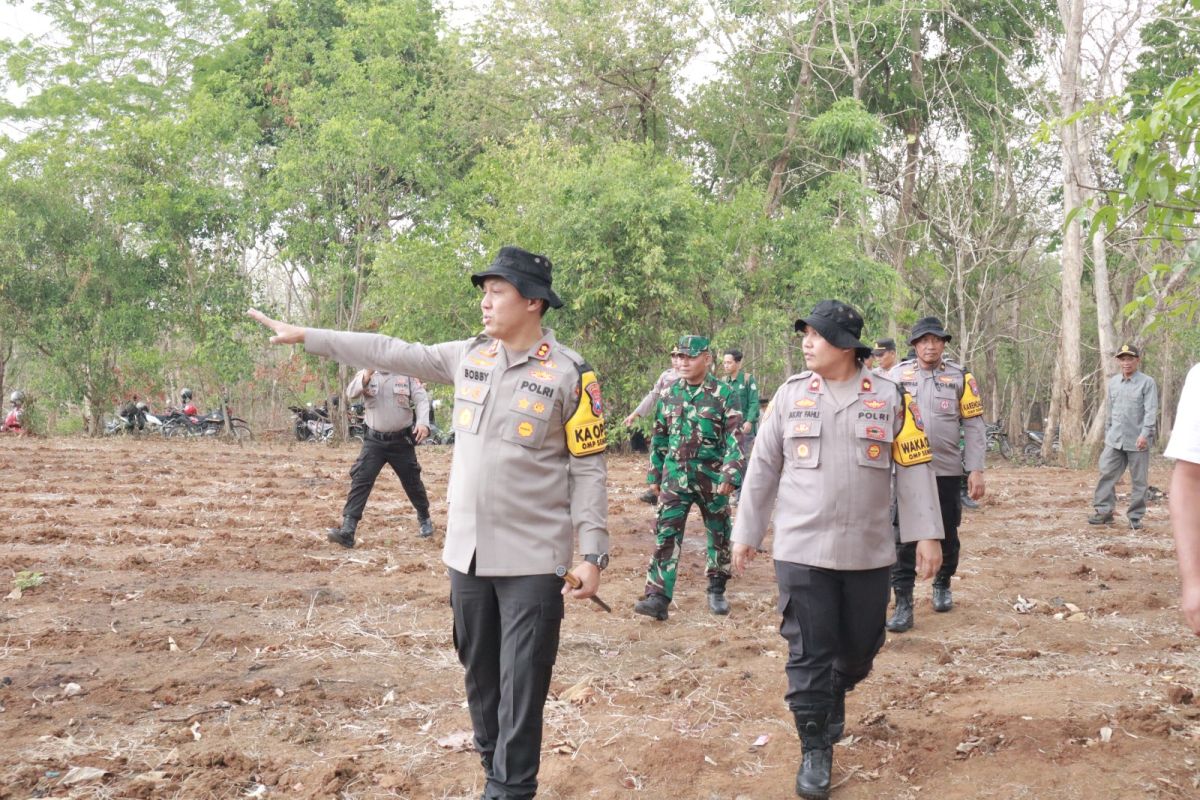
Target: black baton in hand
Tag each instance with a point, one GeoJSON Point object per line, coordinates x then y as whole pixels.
{"type": "Point", "coordinates": [575, 583]}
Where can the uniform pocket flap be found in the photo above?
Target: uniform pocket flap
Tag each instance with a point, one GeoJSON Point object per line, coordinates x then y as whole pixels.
{"type": "Point", "coordinates": [472, 391]}
{"type": "Point", "coordinates": [532, 405]}
{"type": "Point", "coordinates": [875, 431]}
{"type": "Point", "coordinates": [802, 428]}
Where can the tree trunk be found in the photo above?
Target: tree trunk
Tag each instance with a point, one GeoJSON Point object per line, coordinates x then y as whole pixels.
{"type": "Point", "coordinates": [913, 128]}
{"type": "Point", "coordinates": [1067, 398]}
{"type": "Point", "coordinates": [783, 159]}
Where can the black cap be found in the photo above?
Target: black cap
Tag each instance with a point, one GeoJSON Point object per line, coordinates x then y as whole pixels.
{"type": "Point", "coordinates": [838, 323]}
{"type": "Point", "coordinates": [884, 345]}
{"type": "Point", "coordinates": [928, 325]}
{"type": "Point", "coordinates": [529, 272]}
{"type": "Point", "coordinates": [1128, 350]}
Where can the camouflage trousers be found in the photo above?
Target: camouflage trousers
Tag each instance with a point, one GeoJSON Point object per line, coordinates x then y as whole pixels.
{"type": "Point", "coordinates": [673, 509]}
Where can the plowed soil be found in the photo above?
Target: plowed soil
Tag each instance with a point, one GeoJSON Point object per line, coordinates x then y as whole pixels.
{"type": "Point", "coordinates": [195, 636]}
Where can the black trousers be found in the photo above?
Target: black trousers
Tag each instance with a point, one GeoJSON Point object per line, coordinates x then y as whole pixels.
{"type": "Point", "coordinates": [402, 457]}
{"type": "Point", "coordinates": [506, 635]}
{"type": "Point", "coordinates": [904, 571]}
{"type": "Point", "coordinates": [833, 623]}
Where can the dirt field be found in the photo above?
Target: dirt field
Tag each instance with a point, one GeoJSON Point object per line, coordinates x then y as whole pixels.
{"type": "Point", "coordinates": [194, 636]}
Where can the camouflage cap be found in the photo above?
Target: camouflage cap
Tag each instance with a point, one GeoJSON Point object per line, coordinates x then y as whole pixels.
{"type": "Point", "coordinates": [691, 346]}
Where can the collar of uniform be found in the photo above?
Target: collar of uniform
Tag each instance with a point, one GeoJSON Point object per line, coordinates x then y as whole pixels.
{"type": "Point", "coordinates": [541, 349]}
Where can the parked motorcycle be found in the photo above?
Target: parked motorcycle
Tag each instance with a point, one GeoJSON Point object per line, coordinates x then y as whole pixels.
{"type": "Point", "coordinates": [997, 438]}
{"type": "Point", "coordinates": [312, 423]}
{"type": "Point", "coordinates": [131, 419]}
{"type": "Point", "coordinates": [1033, 449]}
{"type": "Point", "coordinates": [177, 423]}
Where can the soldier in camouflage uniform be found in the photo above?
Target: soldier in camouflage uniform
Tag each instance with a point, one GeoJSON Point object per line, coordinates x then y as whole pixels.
{"type": "Point", "coordinates": [697, 456]}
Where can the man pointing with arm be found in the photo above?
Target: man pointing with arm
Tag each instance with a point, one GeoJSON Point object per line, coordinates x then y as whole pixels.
{"type": "Point", "coordinates": [528, 475]}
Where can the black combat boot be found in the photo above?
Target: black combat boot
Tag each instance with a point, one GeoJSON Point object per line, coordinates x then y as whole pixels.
{"type": "Point", "coordinates": [426, 527]}
{"type": "Point", "coordinates": [345, 534]}
{"type": "Point", "coordinates": [816, 767]}
{"type": "Point", "coordinates": [653, 605]}
{"type": "Point", "coordinates": [943, 600]}
{"type": "Point", "coordinates": [717, 603]}
{"type": "Point", "coordinates": [902, 618]}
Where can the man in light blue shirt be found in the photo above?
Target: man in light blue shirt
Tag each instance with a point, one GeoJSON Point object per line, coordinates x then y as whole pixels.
{"type": "Point", "coordinates": [1132, 418]}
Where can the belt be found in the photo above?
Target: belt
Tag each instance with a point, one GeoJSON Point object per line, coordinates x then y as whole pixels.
{"type": "Point", "coordinates": [390, 436]}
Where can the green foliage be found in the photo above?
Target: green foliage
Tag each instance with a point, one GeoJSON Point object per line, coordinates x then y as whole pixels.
{"type": "Point", "coordinates": [846, 129]}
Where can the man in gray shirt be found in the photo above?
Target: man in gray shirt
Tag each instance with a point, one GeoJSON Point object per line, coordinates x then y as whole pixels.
{"type": "Point", "coordinates": [1132, 417]}
{"type": "Point", "coordinates": [528, 476]}
{"type": "Point", "coordinates": [397, 418]}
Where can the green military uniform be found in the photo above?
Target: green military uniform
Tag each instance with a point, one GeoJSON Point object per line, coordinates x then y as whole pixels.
{"type": "Point", "coordinates": [745, 391]}
{"type": "Point", "coordinates": [698, 444]}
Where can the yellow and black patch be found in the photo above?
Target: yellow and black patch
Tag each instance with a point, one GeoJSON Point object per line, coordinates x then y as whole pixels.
{"type": "Point", "coordinates": [586, 435]}
{"type": "Point", "coordinates": [911, 445]}
{"type": "Point", "coordinates": [970, 404]}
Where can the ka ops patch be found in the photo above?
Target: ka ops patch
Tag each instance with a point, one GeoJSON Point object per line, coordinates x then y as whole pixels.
{"type": "Point", "coordinates": [586, 435]}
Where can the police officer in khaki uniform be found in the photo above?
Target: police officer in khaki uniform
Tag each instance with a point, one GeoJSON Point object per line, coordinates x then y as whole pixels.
{"type": "Point", "coordinates": [390, 401]}
{"type": "Point", "coordinates": [828, 440]}
{"type": "Point", "coordinates": [948, 397]}
{"type": "Point", "coordinates": [884, 354]}
{"type": "Point", "coordinates": [528, 475]}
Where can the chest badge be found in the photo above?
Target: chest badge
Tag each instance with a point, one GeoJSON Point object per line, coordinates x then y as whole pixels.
{"type": "Point", "coordinates": [801, 451]}
{"type": "Point", "coordinates": [805, 402]}
{"type": "Point", "coordinates": [525, 430]}
{"type": "Point", "coordinates": [875, 432]}
{"type": "Point", "coordinates": [874, 451]}
{"type": "Point", "coordinates": [874, 405]}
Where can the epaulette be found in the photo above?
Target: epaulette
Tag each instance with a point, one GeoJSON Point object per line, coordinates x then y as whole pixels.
{"type": "Point", "coordinates": [571, 355]}
{"type": "Point", "coordinates": [799, 376]}
{"type": "Point", "coordinates": [885, 377]}
{"type": "Point", "coordinates": [947, 362]}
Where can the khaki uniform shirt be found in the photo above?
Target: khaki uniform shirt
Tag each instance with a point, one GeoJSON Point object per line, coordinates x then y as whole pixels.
{"type": "Point", "coordinates": [664, 382]}
{"type": "Point", "coordinates": [517, 495]}
{"type": "Point", "coordinates": [1132, 410]}
{"type": "Point", "coordinates": [939, 394]}
{"type": "Point", "coordinates": [389, 401]}
{"type": "Point", "coordinates": [826, 470]}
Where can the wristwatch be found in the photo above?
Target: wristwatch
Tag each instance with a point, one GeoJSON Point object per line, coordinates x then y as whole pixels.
{"type": "Point", "coordinates": [600, 561]}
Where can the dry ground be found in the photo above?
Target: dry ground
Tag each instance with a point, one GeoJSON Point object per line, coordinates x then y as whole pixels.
{"type": "Point", "coordinates": [196, 637]}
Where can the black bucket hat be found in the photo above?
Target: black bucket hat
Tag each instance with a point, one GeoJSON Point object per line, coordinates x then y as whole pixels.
{"type": "Point", "coordinates": [838, 323]}
{"type": "Point", "coordinates": [529, 272]}
{"type": "Point", "coordinates": [928, 325]}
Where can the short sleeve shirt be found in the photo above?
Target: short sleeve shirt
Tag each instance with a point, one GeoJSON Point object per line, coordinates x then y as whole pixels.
{"type": "Point", "coordinates": [1185, 435]}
